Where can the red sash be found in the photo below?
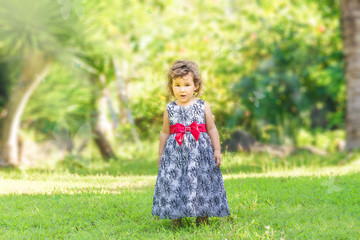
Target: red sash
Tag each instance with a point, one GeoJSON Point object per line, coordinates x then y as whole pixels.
{"type": "Point", "coordinates": [181, 129]}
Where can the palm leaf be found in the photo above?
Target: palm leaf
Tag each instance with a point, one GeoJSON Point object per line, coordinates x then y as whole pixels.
{"type": "Point", "coordinates": [38, 24]}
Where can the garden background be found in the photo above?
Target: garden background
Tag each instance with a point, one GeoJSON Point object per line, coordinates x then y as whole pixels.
{"type": "Point", "coordinates": [83, 89]}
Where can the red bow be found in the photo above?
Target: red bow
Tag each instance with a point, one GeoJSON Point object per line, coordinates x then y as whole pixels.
{"type": "Point", "coordinates": [181, 129]}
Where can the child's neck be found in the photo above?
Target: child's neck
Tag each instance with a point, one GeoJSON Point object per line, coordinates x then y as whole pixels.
{"type": "Point", "coordinates": [191, 102]}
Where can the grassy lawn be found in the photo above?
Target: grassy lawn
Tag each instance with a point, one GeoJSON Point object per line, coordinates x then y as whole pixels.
{"type": "Point", "coordinates": [300, 197]}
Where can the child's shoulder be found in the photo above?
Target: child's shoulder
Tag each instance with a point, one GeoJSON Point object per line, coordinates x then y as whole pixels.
{"type": "Point", "coordinates": [170, 103]}
{"type": "Point", "coordinates": [201, 101]}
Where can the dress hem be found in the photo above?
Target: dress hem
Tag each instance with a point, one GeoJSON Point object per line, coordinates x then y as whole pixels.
{"type": "Point", "coordinates": [177, 217]}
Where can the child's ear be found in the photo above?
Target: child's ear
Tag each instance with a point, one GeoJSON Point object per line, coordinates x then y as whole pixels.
{"type": "Point", "coordinates": [195, 91]}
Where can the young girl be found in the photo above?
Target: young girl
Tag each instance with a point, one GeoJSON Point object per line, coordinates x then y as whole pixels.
{"type": "Point", "coordinates": [189, 181]}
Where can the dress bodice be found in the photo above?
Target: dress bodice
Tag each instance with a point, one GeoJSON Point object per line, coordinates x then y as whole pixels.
{"type": "Point", "coordinates": [187, 114]}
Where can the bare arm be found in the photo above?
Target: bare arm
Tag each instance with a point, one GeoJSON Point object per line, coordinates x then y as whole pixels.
{"type": "Point", "coordinates": [164, 134]}
{"type": "Point", "coordinates": [213, 133]}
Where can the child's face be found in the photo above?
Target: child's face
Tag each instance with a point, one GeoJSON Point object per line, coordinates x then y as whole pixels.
{"type": "Point", "coordinates": [184, 88]}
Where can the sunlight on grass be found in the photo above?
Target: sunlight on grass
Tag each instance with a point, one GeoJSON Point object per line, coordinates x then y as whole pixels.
{"type": "Point", "coordinates": [72, 184]}
{"type": "Point", "coordinates": [354, 167]}
{"type": "Point", "coordinates": [32, 182]}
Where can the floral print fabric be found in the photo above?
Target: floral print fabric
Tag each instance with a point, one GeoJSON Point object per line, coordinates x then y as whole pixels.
{"type": "Point", "coordinates": [188, 183]}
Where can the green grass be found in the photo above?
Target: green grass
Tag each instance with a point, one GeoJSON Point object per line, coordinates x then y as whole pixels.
{"type": "Point", "coordinates": [299, 197]}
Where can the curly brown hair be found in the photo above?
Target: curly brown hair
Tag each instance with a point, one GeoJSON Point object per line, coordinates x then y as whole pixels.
{"type": "Point", "coordinates": [182, 68]}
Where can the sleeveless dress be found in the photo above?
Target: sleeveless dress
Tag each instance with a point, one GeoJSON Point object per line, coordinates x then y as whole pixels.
{"type": "Point", "coordinates": [188, 183]}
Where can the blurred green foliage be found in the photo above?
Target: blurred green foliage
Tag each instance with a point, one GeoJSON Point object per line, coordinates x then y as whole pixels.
{"type": "Point", "coordinates": [269, 67]}
{"type": "Point", "coordinates": [297, 69]}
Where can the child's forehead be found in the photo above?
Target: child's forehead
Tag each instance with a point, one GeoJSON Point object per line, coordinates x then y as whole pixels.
{"type": "Point", "coordinates": [185, 78]}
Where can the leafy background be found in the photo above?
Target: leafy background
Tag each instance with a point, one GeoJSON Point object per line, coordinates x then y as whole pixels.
{"type": "Point", "coordinates": [273, 68]}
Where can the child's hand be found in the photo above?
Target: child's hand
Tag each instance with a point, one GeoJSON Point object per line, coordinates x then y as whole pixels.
{"type": "Point", "coordinates": [217, 157]}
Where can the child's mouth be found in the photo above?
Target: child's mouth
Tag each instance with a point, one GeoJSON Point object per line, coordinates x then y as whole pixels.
{"type": "Point", "coordinates": [182, 95]}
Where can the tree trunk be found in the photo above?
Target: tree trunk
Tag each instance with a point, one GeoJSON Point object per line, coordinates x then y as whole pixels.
{"type": "Point", "coordinates": [104, 124]}
{"type": "Point", "coordinates": [101, 142]}
{"type": "Point", "coordinates": [123, 99]}
{"type": "Point", "coordinates": [350, 23]}
{"type": "Point", "coordinates": [35, 68]}
{"type": "Point", "coordinates": [104, 146]}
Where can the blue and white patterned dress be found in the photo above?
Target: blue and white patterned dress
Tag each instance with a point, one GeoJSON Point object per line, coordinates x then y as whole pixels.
{"type": "Point", "coordinates": [188, 183]}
